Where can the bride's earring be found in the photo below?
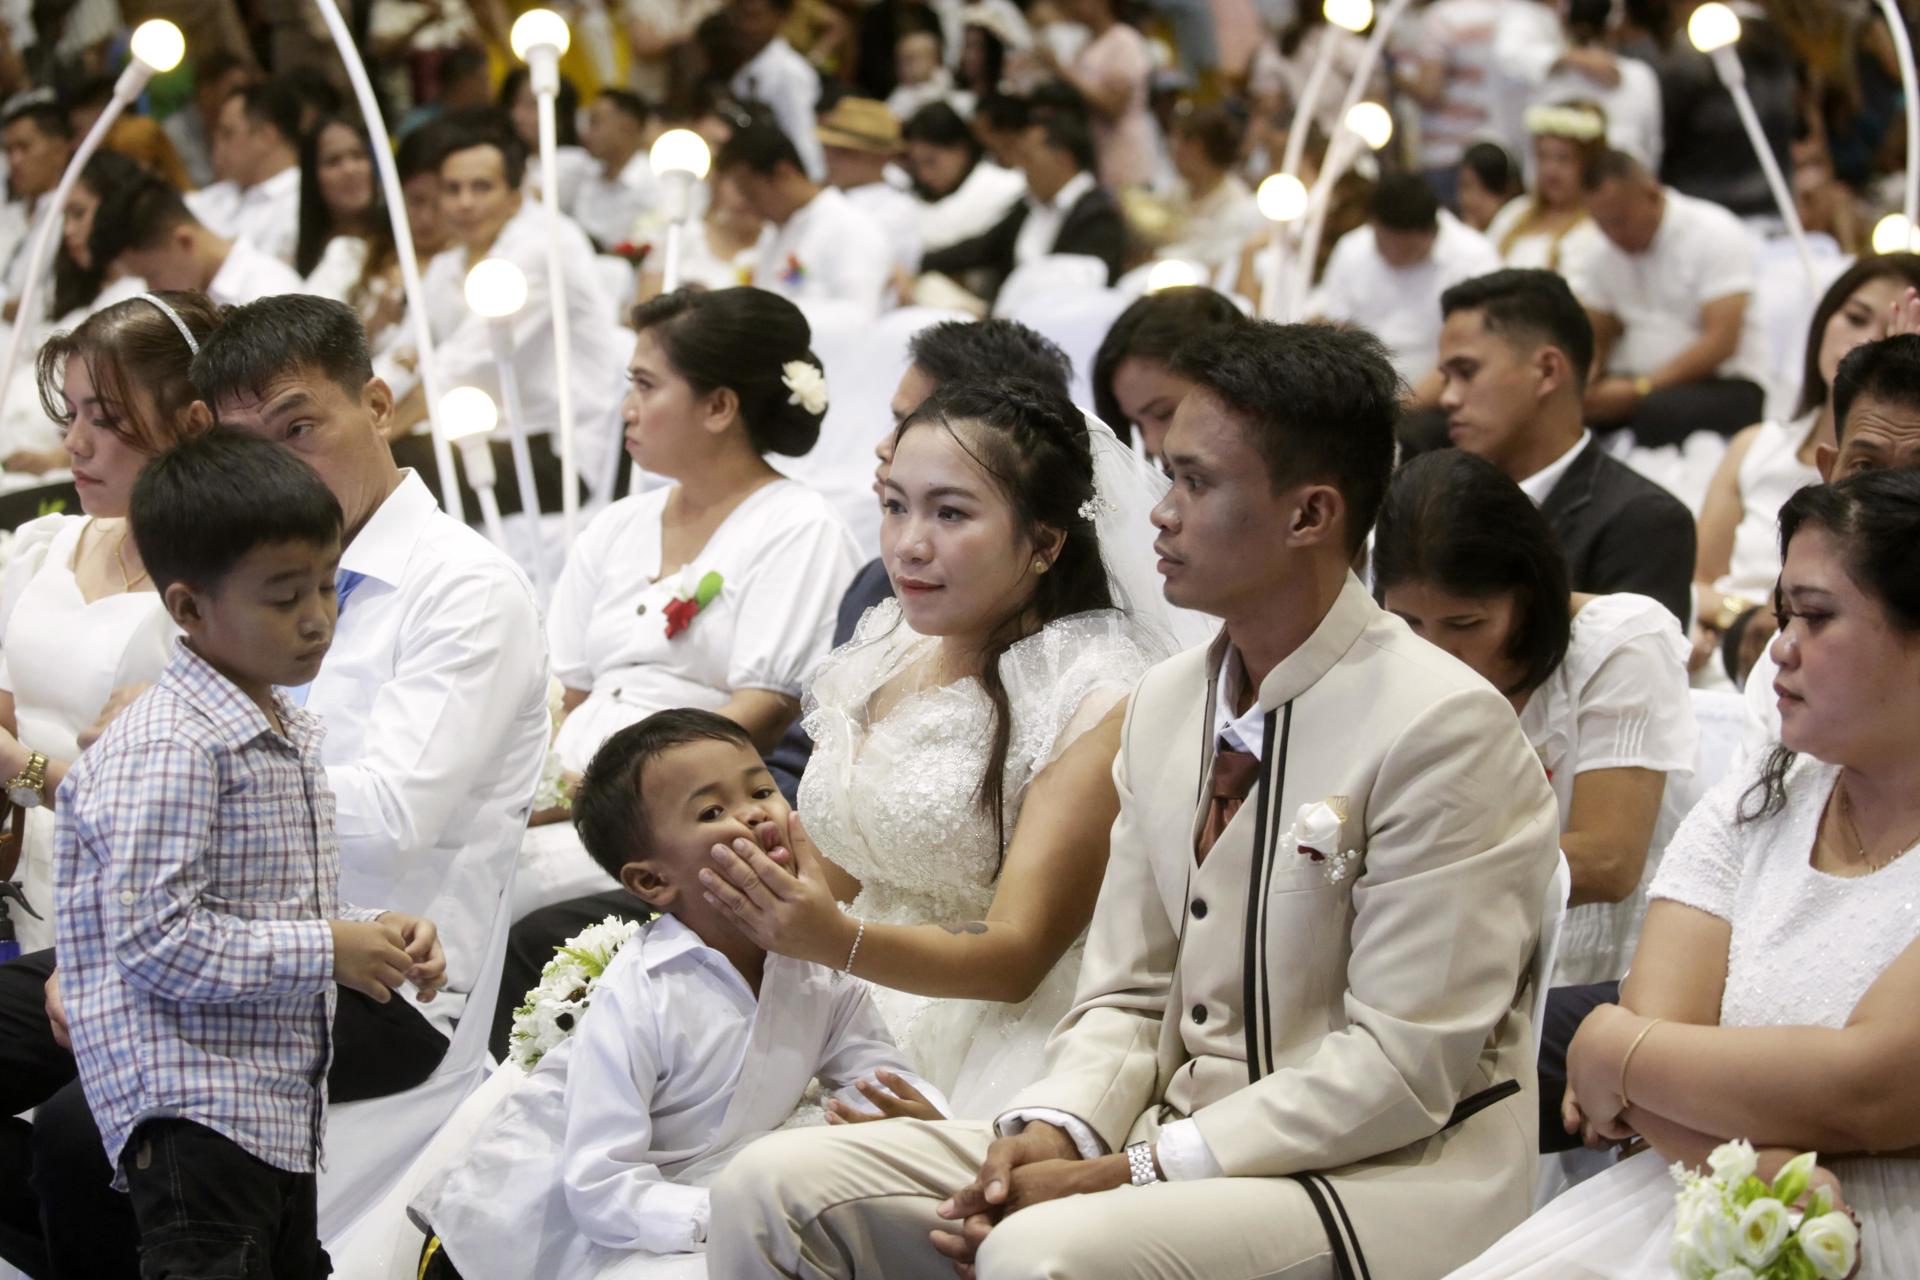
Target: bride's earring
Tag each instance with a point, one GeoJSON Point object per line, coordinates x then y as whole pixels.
{"type": "Point", "coordinates": [1039, 564]}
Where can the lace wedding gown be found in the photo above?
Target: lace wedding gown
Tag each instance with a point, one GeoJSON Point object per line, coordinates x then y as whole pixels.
{"type": "Point", "coordinates": [895, 803]}
{"type": "Point", "coordinates": [1805, 948]}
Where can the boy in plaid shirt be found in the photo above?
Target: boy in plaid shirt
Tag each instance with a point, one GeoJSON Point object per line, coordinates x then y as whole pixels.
{"type": "Point", "coordinates": [198, 920]}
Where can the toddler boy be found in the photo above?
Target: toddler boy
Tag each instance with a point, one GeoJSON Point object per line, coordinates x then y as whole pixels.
{"type": "Point", "coordinates": [198, 922]}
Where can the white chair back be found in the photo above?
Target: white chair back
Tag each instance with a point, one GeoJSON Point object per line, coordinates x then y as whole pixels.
{"type": "Point", "coordinates": [1076, 318]}
{"type": "Point", "coordinates": [370, 1144]}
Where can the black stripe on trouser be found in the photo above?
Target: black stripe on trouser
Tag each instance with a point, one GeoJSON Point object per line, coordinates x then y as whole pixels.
{"type": "Point", "coordinates": [1342, 1261]}
{"type": "Point", "coordinates": [1256, 869]}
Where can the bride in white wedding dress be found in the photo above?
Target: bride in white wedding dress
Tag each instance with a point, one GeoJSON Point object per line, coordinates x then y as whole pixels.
{"type": "Point", "coordinates": [1772, 994]}
{"type": "Point", "coordinates": [960, 789]}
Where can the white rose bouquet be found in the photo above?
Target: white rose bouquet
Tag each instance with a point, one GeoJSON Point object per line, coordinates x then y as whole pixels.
{"type": "Point", "coordinates": [1729, 1225]}
{"type": "Point", "coordinates": [553, 1009]}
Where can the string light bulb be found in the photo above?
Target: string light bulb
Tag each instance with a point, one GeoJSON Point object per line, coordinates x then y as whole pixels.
{"type": "Point", "coordinates": [1349, 15]}
{"type": "Point", "coordinates": [159, 44]}
{"type": "Point", "coordinates": [1281, 198]}
{"type": "Point", "coordinates": [1372, 122]}
{"type": "Point", "coordinates": [1713, 26]}
{"type": "Point", "coordinates": [495, 288]}
{"type": "Point", "coordinates": [539, 28]}
{"type": "Point", "coordinates": [680, 151]}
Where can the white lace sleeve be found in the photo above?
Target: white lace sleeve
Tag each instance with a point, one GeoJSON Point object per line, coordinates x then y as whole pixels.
{"type": "Point", "coordinates": [847, 677]}
{"type": "Point", "coordinates": [1063, 681]}
{"type": "Point", "coordinates": [1704, 860]}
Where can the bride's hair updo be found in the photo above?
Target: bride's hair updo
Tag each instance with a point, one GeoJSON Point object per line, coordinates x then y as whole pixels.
{"type": "Point", "coordinates": [741, 339]}
{"type": "Point", "coordinates": [1033, 442]}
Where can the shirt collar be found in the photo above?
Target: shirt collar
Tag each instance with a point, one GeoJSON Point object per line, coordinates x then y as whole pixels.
{"type": "Point", "coordinates": [1538, 485]}
{"type": "Point", "coordinates": [1066, 197]}
{"type": "Point", "coordinates": [638, 171]}
{"type": "Point", "coordinates": [235, 717]}
{"type": "Point", "coordinates": [285, 182]}
{"type": "Point", "coordinates": [385, 542]}
{"type": "Point", "coordinates": [1246, 732]}
{"type": "Point", "coordinates": [1300, 670]}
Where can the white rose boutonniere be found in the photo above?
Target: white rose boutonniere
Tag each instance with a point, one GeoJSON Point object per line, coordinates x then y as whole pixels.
{"type": "Point", "coordinates": [1315, 834]}
{"type": "Point", "coordinates": [807, 383]}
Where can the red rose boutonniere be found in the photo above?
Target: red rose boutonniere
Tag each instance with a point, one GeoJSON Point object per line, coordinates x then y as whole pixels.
{"type": "Point", "coordinates": [689, 601]}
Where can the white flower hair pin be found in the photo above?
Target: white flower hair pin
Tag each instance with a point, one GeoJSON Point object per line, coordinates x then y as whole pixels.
{"type": "Point", "coordinates": [807, 383]}
{"type": "Point", "coordinates": [1315, 835]}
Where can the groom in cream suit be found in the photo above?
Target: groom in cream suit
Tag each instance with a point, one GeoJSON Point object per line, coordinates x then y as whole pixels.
{"type": "Point", "coordinates": [1301, 1043]}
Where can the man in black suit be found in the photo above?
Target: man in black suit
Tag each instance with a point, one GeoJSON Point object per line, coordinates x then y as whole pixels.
{"type": "Point", "coordinates": [1065, 210]}
{"type": "Point", "coordinates": [947, 352]}
{"type": "Point", "coordinates": [1514, 353]}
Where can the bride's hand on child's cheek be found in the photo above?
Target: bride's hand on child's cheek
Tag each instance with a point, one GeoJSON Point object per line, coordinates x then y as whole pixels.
{"type": "Point", "coordinates": [791, 913]}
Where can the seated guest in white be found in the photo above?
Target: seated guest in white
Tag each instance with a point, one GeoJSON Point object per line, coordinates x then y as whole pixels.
{"type": "Point", "coordinates": [717, 381]}
{"type": "Point", "coordinates": [774, 72]}
{"type": "Point", "coordinates": [487, 215]}
{"type": "Point", "coordinates": [818, 247]}
{"type": "Point", "coordinates": [1134, 385]}
{"type": "Point", "coordinates": [1513, 355]}
{"type": "Point", "coordinates": [434, 700]}
{"type": "Point", "coordinates": [1549, 227]}
{"type": "Point", "coordinates": [1217, 212]}
{"type": "Point", "coordinates": [1366, 1088]}
{"type": "Point", "coordinates": [962, 193]}
{"type": "Point", "coordinates": [1065, 209]}
{"type": "Point", "coordinates": [1471, 565]}
{"type": "Point", "coordinates": [1387, 277]}
{"type": "Point", "coordinates": [256, 149]}
{"type": "Point", "coordinates": [1772, 994]}
{"type": "Point", "coordinates": [1739, 553]}
{"type": "Point", "coordinates": [38, 140]}
{"type": "Point", "coordinates": [144, 229]}
{"type": "Point", "coordinates": [80, 624]}
{"type": "Point", "coordinates": [345, 247]}
{"type": "Point", "coordinates": [862, 141]}
{"type": "Point", "coordinates": [1490, 180]}
{"type": "Point", "coordinates": [620, 191]}
{"type": "Point", "coordinates": [697, 1041]}
{"type": "Point", "coordinates": [1668, 291]}
{"type": "Point", "coordinates": [716, 252]}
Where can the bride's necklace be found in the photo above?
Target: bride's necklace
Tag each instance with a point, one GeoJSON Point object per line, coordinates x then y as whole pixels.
{"type": "Point", "coordinates": [127, 581]}
{"type": "Point", "coordinates": [1853, 836]}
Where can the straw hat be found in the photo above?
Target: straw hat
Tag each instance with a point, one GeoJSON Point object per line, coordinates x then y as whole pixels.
{"type": "Point", "coordinates": [860, 124]}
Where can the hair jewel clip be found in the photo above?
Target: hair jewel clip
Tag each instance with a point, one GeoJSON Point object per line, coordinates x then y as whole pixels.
{"type": "Point", "coordinates": [1095, 507]}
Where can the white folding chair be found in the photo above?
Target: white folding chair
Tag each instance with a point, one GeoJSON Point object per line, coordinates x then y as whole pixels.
{"type": "Point", "coordinates": [1075, 314]}
{"type": "Point", "coordinates": [369, 1144]}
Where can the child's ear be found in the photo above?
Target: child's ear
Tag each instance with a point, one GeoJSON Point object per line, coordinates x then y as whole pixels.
{"type": "Point", "coordinates": [182, 606]}
{"type": "Point", "coordinates": [645, 883]}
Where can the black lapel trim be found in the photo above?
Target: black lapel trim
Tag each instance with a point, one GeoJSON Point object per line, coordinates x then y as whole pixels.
{"type": "Point", "coordinates": [1266, 882]}
{"type": "Point", "coordinates": [1475, 1103]}
{"type": "Point", "coordinates": [1342, 1263]}
{"type": "Point", "coordinates": [1252, 987]}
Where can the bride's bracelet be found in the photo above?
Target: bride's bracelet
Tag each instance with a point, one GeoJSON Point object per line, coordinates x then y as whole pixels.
{"type": "Point", "coordinates": [1626, 1060]}
{"type": "Point", "coordinates": [858, 934]}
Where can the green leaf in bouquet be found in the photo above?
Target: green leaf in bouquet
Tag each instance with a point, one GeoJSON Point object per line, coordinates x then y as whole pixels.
{"type": "Point", "coordinates": [1820, 1205]}
{"type": "Point", "coordinates": [1795, 1176]}
{"type": "Point", "coordinates": [1794, 1264]}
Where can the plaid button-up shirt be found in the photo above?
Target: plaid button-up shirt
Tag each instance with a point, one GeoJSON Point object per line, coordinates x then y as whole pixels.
{"type": "Point", "coordinates": [195, 871]}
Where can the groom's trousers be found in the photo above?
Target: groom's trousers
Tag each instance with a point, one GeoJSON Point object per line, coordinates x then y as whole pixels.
{"type": "Point", "coordinates": [858, 1201]}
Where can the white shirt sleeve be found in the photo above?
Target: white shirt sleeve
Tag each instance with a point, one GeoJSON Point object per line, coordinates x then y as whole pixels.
{"type": "Point", "coordinates": [858, 1047]}
{"type": "Point", "coordinates": [1633, 711]}
{"type": "Point", "coordinates": [448, 709]}
{"type": "Point", "coordinates": [618, 1198]}
{"type": "Point", "coordinates": [1184, 1153]}
{"type": "Point", "coordinates": [1090, 1145]}
{"type": "Point", "coordinates": [784, 614]}
{"type": "Point", "coordinates": [1726, 259]}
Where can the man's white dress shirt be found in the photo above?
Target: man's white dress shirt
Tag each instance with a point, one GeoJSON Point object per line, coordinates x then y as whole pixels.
{"type": "Point", "coordinates": [780, 77]}
{"type": "Point", "coordinates": [1045, 218]}
{"type": "Point", "coordinates": [464, 348]}
{"type": "Point", "coordinates": [824, 258]}
{"type": "Point", "coordinates": [1538, 485]}
{"type": "Point", "coordinates": [898, 214]}
{"type": "Point", "coordinates": [1401, 305]}
{"type": "Point", "coordinates": [607, 1148]}
{"type": "Point", "coordinates": [266, 214]}
{"type": "Point", "coordinates": [250, 273]}
{"type": "Point", "coordinates": [434, 696]}
{"type": "Point", "coordinates": [607, 208]}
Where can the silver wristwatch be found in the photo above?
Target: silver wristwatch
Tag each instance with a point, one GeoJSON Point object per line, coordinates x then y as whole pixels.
{"type": "Point", "coordinates": [1140, 1164]}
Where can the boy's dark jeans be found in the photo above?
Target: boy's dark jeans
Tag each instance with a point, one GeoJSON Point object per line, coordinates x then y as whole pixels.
{"type": "Point", "coordinates": [208, 1209]}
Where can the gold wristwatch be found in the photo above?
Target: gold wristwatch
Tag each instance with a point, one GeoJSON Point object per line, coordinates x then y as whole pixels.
{"type": "Point", "coordinates": [28, 788]}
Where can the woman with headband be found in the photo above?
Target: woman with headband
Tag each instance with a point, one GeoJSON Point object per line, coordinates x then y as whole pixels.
{"type": "Point", "coordinates": [82, 630]}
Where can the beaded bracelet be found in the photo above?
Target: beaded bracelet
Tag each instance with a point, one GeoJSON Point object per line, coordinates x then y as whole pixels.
{"type": "Point", "coordinates": [858, 934]}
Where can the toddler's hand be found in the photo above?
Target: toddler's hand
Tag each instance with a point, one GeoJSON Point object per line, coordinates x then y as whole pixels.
{"type": "Point", "coordinates": [370, 958]}
{"type": "Point", "coordinates": [428, 972]}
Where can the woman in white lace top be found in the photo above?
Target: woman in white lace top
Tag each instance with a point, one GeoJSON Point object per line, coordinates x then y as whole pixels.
{"type": "Point", "coordinates": [960, 788]}
{"type": "Point", "coordinates": [1773, 991]}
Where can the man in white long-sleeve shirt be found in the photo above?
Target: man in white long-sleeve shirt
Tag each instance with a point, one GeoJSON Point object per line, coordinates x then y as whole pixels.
{"type": "Point", "coordinates": [150, 233]}
{"type": "Point", "coordinates": [773, 72]}
{"type": "Point", "coordinates": [487, 216]}
{"type": "Point", "coordinates": [610, 201]}
{"type": "Point", "coordinates": [38, 141]}
{"type": "Point", "coordinates": [256, 150]}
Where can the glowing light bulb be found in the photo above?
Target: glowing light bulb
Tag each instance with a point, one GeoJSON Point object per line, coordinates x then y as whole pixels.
{"type": "Point", "coordinates": [1894, 234]}
{"type": "Point", "coordinates": [468, 411]}
{"type": "Point", "coordinates": [496, 288]}
{"type": "Point", "coordinates": [1352, 15]}
{"type": "Point", "coordinates": [1713, 26]}
{"type": "Point", "coordinates": [537, 27]}
{"type": "Point", "coordinates": [159, 44]}
{"type": "Point", "coordinates": [680, 151]}
{"type": "Point", "coordinates": [1373, 122]}
{"type": "Point", "coordinates": [1175, 273]}
{"type": "Point", "coordinates": [1281, 198]}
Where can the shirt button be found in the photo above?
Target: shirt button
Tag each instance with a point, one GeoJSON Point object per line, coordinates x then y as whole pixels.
{"type": "Point", "coordinates": [126, 897]}
{"type": "Point", "coordinates": [1199, 1014]}
{"type": "Point", "coordinates": [641, 611]}
{"type": "Point", "coordinates": [1199, 908]}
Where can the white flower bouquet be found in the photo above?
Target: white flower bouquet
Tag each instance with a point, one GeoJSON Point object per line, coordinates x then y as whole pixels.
{"type": "Point", "coordinates": [554, 1008]}
{"type": "Point", "coordinates": [555, 789]}
{"type": "Point", "coordinates": [1729, 1225]}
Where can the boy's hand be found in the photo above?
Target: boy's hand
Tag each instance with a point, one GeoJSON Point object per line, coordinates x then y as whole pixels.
{"type": "Point", "coordinates": [370, 958]}
{"type": "Point", "coordinates": [892, 1095]}
{"type": "Point", "coordinates": [428, 973]}
{"type": "Point", "coordinates": [57, 1012]}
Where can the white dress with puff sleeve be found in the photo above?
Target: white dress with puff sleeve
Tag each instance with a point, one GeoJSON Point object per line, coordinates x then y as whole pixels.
{"type": "Point", "coordinates": [894, 802]}
{"type": "Point", "coordinates": [1805, 948]}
